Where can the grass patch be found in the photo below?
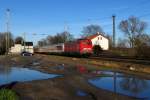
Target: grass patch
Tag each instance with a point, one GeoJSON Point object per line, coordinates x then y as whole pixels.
{"type": "Point", "coordinates": [6, 94]}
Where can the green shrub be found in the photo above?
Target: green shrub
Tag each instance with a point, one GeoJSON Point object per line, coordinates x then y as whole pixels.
{"type": "Point", "coordinates": [6, 94]}
{"type": "Point", "coordinates": [86, 55]}
{"type": "Point", "coordinates": [97, 50]}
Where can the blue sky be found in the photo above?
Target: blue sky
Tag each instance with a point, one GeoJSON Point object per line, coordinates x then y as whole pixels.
{"type": "Point", "coordinates": [50, 16]}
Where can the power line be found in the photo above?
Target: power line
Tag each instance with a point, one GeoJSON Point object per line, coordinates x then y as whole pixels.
{"type": "Point", "coordinates": [102, 18]}
{"type": "Point", "coordinates": [106, 25]}
{"type": "Point", "coordinates": [90, 19]}
{"type": "Point", "coordinates": [138, 6]}
{"type": "Point", "coordinates": [7, 30]}
{"type": "Point", "coordinates": [145, 1]}
{"type": "Point", "coordinates": [145, 15]}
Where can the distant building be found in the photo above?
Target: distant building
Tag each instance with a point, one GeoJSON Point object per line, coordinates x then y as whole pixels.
{"type": "Point", "coordinates": [18, 48]}
{"type": "Point", "coordinates": [99, 39]}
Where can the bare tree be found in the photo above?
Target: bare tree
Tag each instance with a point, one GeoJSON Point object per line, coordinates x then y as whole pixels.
{"type": "Point", "coordinates": [132, 27]}
{"type": "Point", "coordinates": [110, 40]}
{"type": "Point", "coordinates": [60, 38]}
{"type": "Point", "coordinates": [42, 42]}
{"type": "Point", "coordinates": [91, 29]}
{"type": "Point", "coordinates": [3, 42]}
{"type": "Point", "coordinates": [19, 40]}
{"type": "Point", "coordinates": [49, 39]}
{"type": "Point", "coordinates": [122, 43]}
{"type": "Point", "coordinates": [143, 39]}
{"type": "Point", "coordinates": [142, 46]}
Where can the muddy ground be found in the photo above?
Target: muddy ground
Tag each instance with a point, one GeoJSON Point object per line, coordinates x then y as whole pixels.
{"type": "Point", "coordinates": [66, 87]}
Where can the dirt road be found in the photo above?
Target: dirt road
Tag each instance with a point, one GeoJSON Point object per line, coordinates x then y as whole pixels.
{"type": "Point", "coordinates": [61, 88]}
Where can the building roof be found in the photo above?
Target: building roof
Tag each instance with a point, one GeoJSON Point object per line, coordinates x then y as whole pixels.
{"type": "Point", "coordinates": [95, 35]}
{"type": "Point", "coordinates": [92, 36]}
{"type": "Point", "coordinates": [28, 44]}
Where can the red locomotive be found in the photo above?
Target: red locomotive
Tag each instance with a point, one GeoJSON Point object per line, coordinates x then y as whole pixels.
{"type": "Point", "coordinates": [80, 46]}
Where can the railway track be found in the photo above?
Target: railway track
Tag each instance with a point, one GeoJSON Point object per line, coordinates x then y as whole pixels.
{"type": "Point", "coordinates": [128, 60]}
{"type": "Point", "coordinates": [117, 59]}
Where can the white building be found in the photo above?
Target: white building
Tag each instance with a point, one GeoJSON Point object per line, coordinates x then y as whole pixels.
{"type": "Point", "coordinates": [99, 39]}
{"type": "Point", "coordinates": [18, 48]}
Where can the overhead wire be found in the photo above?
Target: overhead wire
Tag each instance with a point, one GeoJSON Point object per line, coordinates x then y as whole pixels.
{"type": "Point", "coordinates": [99, 20]}
{"type": "Point", "coordinates": [138, 5]}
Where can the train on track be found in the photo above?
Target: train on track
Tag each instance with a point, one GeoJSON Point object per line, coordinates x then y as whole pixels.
{"type": "Point", "coordinates": [80, 46]}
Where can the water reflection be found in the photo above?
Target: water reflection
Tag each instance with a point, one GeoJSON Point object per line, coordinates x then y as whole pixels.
{"type": "Point", "coordinates": [81, 93]}
{"type": "Point", "coordinates": [124, 84]}
{"type": "Point", "coordinates": [13, 74]}
{"type": "Point", "coordinates": [133, 85]}
{"type": "Point", "coordinates": [5, 70]}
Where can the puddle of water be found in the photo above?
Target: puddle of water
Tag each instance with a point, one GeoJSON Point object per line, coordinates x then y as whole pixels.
{"type": "Point", "coordinates": [123, 84]}
{"type": "Point", "coordinates": [8, 75]}
{"type": "Point", "coordinates": [104, 73]}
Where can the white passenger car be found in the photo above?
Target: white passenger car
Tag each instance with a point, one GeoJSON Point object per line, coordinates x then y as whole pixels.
{"type": "Point", "coordinates": [57, 48]}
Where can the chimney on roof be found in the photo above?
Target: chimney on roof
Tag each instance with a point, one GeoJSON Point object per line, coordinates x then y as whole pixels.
{"type": "Point", "coordinates": [98, 33]}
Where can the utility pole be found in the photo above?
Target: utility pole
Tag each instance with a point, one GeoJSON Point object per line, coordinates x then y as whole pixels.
{"type": "Point", "coordinates": [66, 29]}
{"type": "Point", "coordinates": [7, 30]}
{"type": "Point", "coordinates": [6, 44]}
{"type": "Point", "coordinates": [24, 37]}
{"type": "Point", "coordinates": [114, 31]}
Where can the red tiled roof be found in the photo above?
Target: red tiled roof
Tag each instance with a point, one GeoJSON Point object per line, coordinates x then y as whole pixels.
{"type": "Point", "coordinates": [94, 36]}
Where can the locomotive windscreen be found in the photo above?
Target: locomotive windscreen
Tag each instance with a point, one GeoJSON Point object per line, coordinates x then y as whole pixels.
{"type": "Point", "coordinates": [86, 42]}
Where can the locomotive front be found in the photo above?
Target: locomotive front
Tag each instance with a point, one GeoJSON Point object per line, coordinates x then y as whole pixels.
{"type": "Point", "coordinates": [85, 46]}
